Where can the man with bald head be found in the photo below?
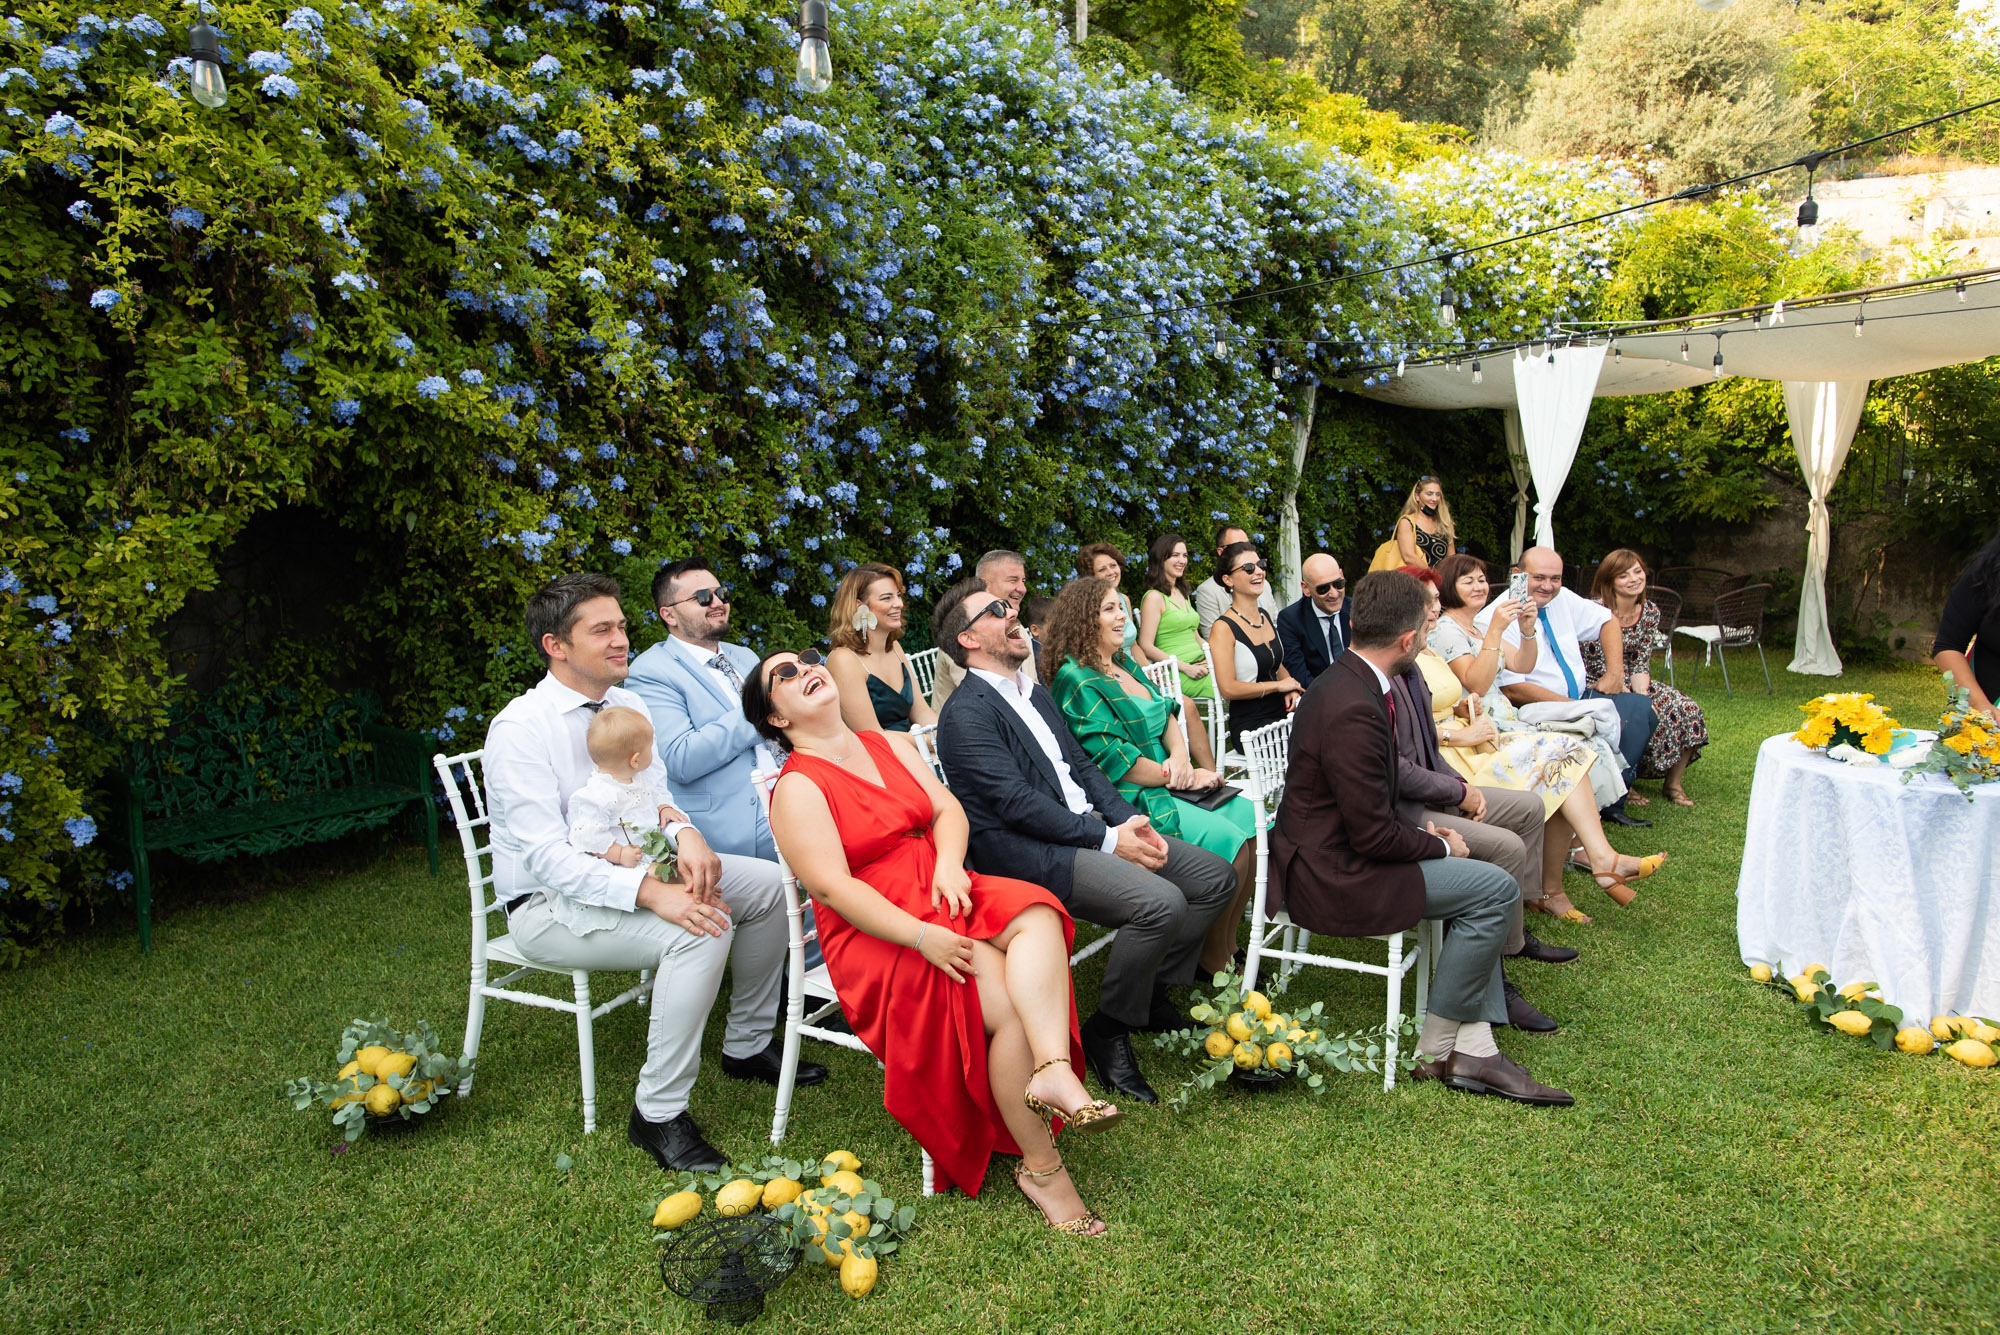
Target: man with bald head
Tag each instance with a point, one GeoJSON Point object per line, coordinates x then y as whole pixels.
{"type": "Point", "coordinates": [1565, 620]}
{"type": "Point", "coordinates": [1313, 632]}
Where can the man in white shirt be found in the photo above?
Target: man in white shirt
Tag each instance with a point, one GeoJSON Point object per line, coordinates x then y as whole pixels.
{"type": "Point", "coordinates": [569, 910]}
{"type": "Point", "coordinates": [1211, 600]}
{"type": "Point", "coordinates": [1005, 575]}
{"type": "Point", "coordinates": [1037, 809]}
{"type": "Point", "coordinates": [1564, 620]}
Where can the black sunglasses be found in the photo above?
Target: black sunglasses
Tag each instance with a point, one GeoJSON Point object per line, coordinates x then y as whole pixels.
{"type": "Point", "coordinates": [999, 609]}
{"type": "Point", "coordinates": [786, 671]}
{"type": "Point", "coordinates": [1321, 590]}
{"type": "Point", "coordinates": [1249, 566]}
{"type": "Point", "coordinates": [706, 597]}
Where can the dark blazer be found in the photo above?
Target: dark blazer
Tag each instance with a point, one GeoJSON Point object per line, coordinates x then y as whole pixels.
{"type": "Point", "coordinates": [1423, 778]}
{"type": "Point", "coordinates": [1343, 861]}
{"type": "Point", "coordinates": [1302, 647]}
{"type": "Point", "coordinates": [1003, 779]}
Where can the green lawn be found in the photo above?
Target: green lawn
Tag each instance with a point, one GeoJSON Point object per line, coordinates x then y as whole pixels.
{"type": "Point", "coordinates": [1725, 1166]}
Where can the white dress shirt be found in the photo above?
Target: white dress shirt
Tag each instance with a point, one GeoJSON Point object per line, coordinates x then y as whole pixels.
{"type": "Point", "coordinates": [1329, 630]}
{"type": "Point", "coordinates": [1019, 693]}
{"type": "Point", "coordinates": [704, 660]}
{"type": "Point", "coordinates": [536, 761]}
{"type": "Point", "coordinates": [1569, 620]}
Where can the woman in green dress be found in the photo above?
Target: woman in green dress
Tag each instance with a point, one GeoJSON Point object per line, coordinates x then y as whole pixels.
{"type": "Point", "coordinates": [1169, 627]}
{"type": "Point", "coordinates": [1133, 734]}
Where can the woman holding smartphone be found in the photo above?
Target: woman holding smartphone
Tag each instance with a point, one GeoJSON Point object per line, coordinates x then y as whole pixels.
{"type": "Point", "coordinates": [1476, 658]}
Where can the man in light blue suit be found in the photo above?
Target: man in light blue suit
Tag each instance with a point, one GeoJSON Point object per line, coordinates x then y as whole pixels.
{"type": "Point", "coordinates": [692, 683]}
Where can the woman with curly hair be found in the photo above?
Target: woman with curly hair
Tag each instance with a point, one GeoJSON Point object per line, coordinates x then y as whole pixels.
{"type": "Point", "coordinates": [1132, 732]}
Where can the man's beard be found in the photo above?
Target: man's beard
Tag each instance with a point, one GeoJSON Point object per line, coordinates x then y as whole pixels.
{"type": "Point", "coordinates": [1407, 662]}
{"type": "Point", "coordinates": [708, 635]}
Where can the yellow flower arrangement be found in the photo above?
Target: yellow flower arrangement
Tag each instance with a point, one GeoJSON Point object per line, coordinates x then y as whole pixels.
{"type": "Point", "coordinates": [1850, 718]}
{"type": "Point", "coordinates": [1968, 744]}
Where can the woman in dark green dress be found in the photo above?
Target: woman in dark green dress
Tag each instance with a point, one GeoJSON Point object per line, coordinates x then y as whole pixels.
{"type": "Point", "coordinates": [878, 691]}
{"type": "Point", "coordinates": [1134, 734]}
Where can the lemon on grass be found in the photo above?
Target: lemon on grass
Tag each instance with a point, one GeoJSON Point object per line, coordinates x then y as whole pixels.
{"type": "Point", "coordinates": [396, 1063]}
{"type": "Point", "coordinates": [1944, 1027]}
{"type": "Point", "coordinates": [1277, 1055]}
{"type": "Point", "coordinates": [857, 1275]}
{"type": "Point", "coordinates": [1804, 986]}
{"type": "Point", "coordinates": [1257, 1004]}
{"type": "Point", "coordinates": [1915, 1039]}
{"type": "Point", "coordinates": [1980, 1030]}
{"type": "Point", "coordinates": [677, 1209]}
{"type": "Point", "coordinates": [348, 1070]}
{"type": "Point", "coordinates": [1971, 1052]}
{"type": "Point", "coordinates": [779, 1190]}
{"type": "Point", "coordinates": [846, 1182]}
{"type": "Point", "coordinates": [370, 1059]}
{"type": "Point", "coordinates": [419, 1091]}
{"type": "Point", "coordinates": [1240, 1026]}
{"type": "Point", "coordinates": [352, 1096]}
{"type": "Point", "coordinates": [1853, 1023]}
{"type": "Point", "coordinates": [1856, 991]}
{"type": "Point", "coordinates": [1761, 972]}
{"type": "Point", "coordinates": [858, 1223]}
{"type": "Point", "coordinates": [1218, 1044]}
{"type": "Point", "coordinates": [739, 1197]}
{"type": "Point", "coordinates": [381, 1100]}
{"type": "Point", "coordinates": [836, 1162]}
{"type": "Point", "coordinates": [1249, 1056]}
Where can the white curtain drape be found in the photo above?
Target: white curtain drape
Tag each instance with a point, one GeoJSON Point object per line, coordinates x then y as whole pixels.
{"type": "Point", "coordinates": [1517, 458]}
{"type": "Point", "coordinates": [1553, 394]}
{"type": "Point", "coordinates": [1823, 415]}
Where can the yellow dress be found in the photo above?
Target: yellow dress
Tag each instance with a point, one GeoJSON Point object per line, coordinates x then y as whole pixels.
{"type": "Point", "coordinates": [1544, 763]}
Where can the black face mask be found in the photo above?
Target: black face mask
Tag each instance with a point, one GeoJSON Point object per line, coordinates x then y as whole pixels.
{"type": "Point", "coordinates": [1430, 512]}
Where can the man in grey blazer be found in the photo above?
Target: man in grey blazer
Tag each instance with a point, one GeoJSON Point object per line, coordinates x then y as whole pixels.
{"type": "Point", "coordinates": [692, 683]}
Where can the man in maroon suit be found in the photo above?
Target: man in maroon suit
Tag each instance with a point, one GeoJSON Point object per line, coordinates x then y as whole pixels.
{"type": "Point", "coordinates": [1345, 863]}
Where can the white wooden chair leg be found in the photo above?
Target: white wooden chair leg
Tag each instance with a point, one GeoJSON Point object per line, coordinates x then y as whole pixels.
{"type": "Point", "coordinates": [1426, 960]}
{"type": "Point", "coordinates": [475, 1021]}
{"type": "Point", "coordinates": [1395, 1010]}
{"type": "Point", "coordinates": [795, 1011]}
{"type": "Point", "coordinates": [586, 1050]}
{"type": "Point", "coordinates": [930, 1176]}
{"type": "Point", "coordinates": [645, 986]}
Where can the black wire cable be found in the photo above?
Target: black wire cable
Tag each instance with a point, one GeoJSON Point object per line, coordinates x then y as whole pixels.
{"type": "Point", "coordinates": [1809, 161]}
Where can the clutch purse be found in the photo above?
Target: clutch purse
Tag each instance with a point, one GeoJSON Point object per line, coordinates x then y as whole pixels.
{"type": "Point", "coordinates": [1208, 799]}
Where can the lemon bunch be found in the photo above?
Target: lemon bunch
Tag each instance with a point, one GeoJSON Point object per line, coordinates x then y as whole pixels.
{"type": "Point", "coordinates": [845, 1221]}
{"type": "Point", "coordinates": [1857, 1010]}
{"type": "Point", "coordinates": [1968, 1040]}
{"type": "Point", "coordinates": [1239, 1029]}
{"type": "Point", "coordinates": [384, 1072]}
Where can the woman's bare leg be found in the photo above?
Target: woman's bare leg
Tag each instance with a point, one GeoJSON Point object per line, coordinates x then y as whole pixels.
{"type": "Point", "coordinates": [1673, 786]}
{"type": "Point", "coordinates": [1581, 811]}
{"type": "Point", "coordinates": [1009, 1058]}
{"type": "Point", "coordinates": [1197, 730]}
{"type": "Point", "coordinates": [1555, 853]}
{"type": "Point", "coordinates": [1218, 948]}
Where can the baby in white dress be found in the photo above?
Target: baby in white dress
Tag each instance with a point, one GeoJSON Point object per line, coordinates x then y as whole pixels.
{"type": "Point", "coordinates": [611, 813]}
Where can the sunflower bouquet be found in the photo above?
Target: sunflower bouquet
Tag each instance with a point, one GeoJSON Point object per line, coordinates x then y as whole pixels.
{"type": "Point", "coordinates": [1849, 718]}
{"type": "Point", "coordinates": [1967, 750]}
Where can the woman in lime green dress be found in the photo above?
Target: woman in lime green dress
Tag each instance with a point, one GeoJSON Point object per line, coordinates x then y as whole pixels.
{"type": "Point", "coordinates": [1169, 627]}
{"type": "Point", "coordinates": [1131, 732]}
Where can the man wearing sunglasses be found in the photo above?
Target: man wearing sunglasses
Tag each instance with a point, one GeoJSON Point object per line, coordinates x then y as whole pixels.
{"type": "Point", "coordinates": [1040, 811]}
{"type": "Point", "coordinates": [692, 681]}
{"type": "Point", "coordinates": [1005, 576]}
{"type": "Point", "coordinates": [1313, 632]}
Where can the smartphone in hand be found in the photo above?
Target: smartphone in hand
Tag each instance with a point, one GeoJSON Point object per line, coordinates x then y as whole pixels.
{"type": "Point", "coordinates": [1517, 586]}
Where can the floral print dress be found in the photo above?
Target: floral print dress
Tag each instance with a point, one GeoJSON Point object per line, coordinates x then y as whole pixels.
{"type": "Point", "coordinates": [1682, 728]}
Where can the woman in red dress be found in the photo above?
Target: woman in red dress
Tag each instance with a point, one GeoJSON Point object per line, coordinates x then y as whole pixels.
{"type": "Point", "coordinates": [958, 983]}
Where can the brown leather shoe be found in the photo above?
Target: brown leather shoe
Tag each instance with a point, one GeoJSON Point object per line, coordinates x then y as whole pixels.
{"type": "Point", "coordinates": [1497, 1075]}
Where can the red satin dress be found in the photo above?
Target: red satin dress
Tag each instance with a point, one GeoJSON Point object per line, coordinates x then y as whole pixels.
{"type": "Point", "coordinates": [926, 1029]}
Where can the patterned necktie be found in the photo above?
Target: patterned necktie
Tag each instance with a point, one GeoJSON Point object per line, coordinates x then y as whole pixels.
{"type": "Point", "coordinates": [722, 664]}
{"type": "Point", "coordinates": [593, 705]}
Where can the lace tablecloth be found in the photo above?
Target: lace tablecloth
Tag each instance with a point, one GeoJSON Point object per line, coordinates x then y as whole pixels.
{"type": "Point", "coordinates": [1846, 866]}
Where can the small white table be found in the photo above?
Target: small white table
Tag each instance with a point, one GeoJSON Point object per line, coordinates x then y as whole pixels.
{"type": "Point", "coordinates": [1846, 866]}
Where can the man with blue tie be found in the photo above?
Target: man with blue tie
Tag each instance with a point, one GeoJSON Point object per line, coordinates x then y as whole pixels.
{"type": "Point", "coordinates": [1313, 632]}
{"type": "Point", "coordinates": [1564, 620]}
{"type": "Point", "coordinates": [692, 682]}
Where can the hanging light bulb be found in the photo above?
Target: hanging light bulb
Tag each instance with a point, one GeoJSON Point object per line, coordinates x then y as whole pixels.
{"type": "Point", "coordinates": [1552, 354]}
{"type": "Point", "coordinates": [1478, 376]}
{"type": "Point", "coordinates": [1399, 367]}
{"type": "Point", "coordinates": [1720, 373]}
{"type": "Point", "coordinates": [1959, 287]}
{"type": "Point", "coordinates": [1447, 307]}
{"type": "Point", "coordinates": [815, 64]}
{"type": "Point", "coordinates": [1221, 348]}
{"type": "Point", "coordinates": [1859, 319]}
{"type": "Point", "coordinates": [1684, 349]}
{"type": "Point", "coordinates": [1617, 353]}
{"type": "Point", "coordinates": [1072, 361]}
{"type": "Point", "coordinates": [205, 50]}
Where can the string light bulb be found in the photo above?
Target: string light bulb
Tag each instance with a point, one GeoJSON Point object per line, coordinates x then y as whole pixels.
{"type": "Point", "coordinates": [205, 51]}
{"type": "Point", "coordinates": [1399, 367]}
{"type": "Point", "coordinates": [1478, 376]}
{"type": "Point", "coordinates": [1221, 348]}
{"type": "Point", "coordinates": [1447, 307]}
{"type": "Point", "coordinates": [1617, 353]}
{"type": "Point", "coordinates": [1959, 287]}
{"type": "Point", "coordinates": [1720, 373]}
{"type": "Point", "coordinates": [1684, 349]}
{"type": "Point", "coordinates": [1860, 318]}
{"type": "Point", "coordinates": [815, 61]}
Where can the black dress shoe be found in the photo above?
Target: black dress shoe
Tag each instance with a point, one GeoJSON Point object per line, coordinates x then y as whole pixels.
{"type": "Point", "coordinates": [1107, 1048]}
{"type": "Point", "coordinates": [677, 1145]}
{"type": "Point", "coordinates": [1615, 816]}
{"type": "Point", "coordinates": [1522, 1015]}
{"type": "Point", "coordinates": [1541, 951]}
{"type": "Point", "coordinates": [1495, 1075]}
{"type": "Point", "coordinates": [767, 1065]}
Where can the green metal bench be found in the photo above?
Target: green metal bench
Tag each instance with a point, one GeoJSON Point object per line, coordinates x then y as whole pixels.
{"type": "Point", "coordinates": [242, 772]}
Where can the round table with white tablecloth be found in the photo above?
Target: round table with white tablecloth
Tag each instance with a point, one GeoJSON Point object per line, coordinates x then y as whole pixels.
{"type": "Point", "coordinates": [1847, 866]}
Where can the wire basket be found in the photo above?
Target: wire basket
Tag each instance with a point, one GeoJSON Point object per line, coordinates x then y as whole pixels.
{"type": "Point", "coordinates": [728, 1265]}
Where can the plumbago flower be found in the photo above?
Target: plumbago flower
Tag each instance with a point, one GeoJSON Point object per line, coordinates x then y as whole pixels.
{"type": "Point", "coordinates": [968, 298]}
